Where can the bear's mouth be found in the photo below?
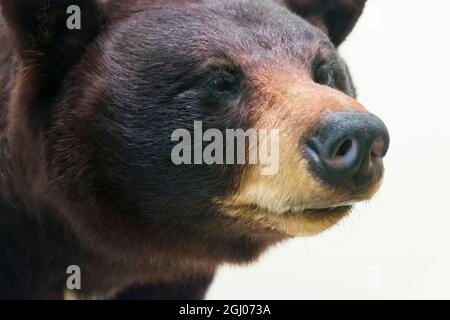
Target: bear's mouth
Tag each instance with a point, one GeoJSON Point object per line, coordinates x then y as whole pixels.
{"type": "Point", "coordinates": [291, 211]}
{"type": "Point", "coordinates": [327, 211]}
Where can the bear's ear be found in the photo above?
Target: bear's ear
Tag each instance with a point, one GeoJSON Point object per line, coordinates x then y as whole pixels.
{"type": "Point", "coordinates": [52, 32]}
{"type": "Point", "coordinates": [335, 17]}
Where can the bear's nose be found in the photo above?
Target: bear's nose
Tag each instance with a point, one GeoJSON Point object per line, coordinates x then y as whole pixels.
{"type": "Point", "coordinates": [347, 149]}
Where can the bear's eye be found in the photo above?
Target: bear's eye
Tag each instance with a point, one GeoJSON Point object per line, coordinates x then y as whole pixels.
{"type": "Point", "coordinates": [324, 74]}
{"type": "Point", "coordinates": [224, 82]}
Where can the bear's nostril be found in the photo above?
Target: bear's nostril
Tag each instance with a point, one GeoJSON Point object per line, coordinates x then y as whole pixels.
{"type": "Point", "coordinates": [344, 148]}
{"type": "Point", "coordinates": [378, 148]}
{"type": "Point", "coordinates": [344, 158]}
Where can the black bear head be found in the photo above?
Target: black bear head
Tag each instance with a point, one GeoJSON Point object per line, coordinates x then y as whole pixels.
{"type": "Point", "coordinates": [94, 111]}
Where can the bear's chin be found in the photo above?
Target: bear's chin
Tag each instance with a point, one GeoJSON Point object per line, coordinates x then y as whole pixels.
{"type": "Point", "coordinates": [294, 222]}
{"type": "Point", "coordinates": [307, 223]}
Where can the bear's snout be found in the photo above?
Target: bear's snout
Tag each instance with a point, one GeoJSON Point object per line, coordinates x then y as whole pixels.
{"type": "Point", "coordinates": [347, 149]}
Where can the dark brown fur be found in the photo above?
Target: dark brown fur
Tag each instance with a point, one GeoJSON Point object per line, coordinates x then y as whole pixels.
{"type": "Point", "coordinates": [64, 200]}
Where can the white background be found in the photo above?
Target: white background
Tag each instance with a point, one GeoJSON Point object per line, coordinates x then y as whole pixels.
{"type": "Point", "coordinates": [398, 245]}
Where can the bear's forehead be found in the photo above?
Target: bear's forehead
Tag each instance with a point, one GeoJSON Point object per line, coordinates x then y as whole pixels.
{"type": "Point", "coordinates": [239, 26]}
{"type": "Point", "coordinates": [257, 16]}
